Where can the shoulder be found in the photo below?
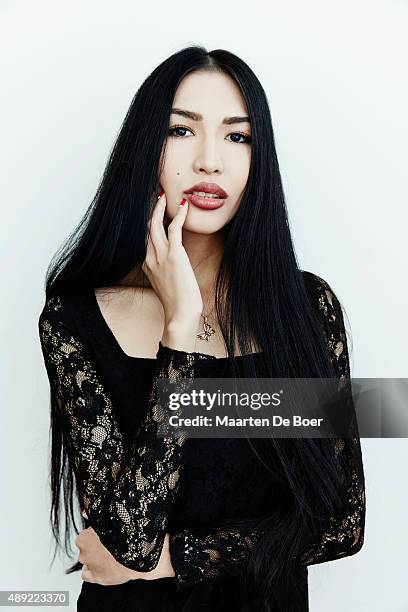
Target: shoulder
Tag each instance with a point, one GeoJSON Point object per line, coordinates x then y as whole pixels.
{"type": "Point", "coordinates": [315, 282]}
{"type": "Point", "coordinates": [323, 298]}
{"type": "Point", "coordinates": [62, 333]}
{"type": "Point", "coordinates": [63, 309]}
{"type": "Point", "coordinates": [330, 315]}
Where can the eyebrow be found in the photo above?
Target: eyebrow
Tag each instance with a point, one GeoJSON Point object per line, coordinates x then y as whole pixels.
{"type": "Point", "coordinates": [197, 117]}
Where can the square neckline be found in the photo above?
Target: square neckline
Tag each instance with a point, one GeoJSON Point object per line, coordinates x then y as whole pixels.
{"type": "Point", "coordinates": [109, 333]}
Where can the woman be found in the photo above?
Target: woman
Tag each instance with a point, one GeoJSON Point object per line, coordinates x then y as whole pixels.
{"type": "Point", "coordinates": [214, 290]}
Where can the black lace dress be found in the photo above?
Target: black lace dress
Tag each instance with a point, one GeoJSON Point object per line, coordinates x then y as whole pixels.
{"type": "Point", "coordinates": [136, 486]}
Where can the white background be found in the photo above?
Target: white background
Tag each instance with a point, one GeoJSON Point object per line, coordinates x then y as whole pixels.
{"type": "Point", "coordinates": [335, 76]}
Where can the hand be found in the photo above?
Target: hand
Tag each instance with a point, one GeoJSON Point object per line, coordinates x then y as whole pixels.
{"type": "Point", "coordinates": [169, 270]}
{"type": "Point", "coordinates": [101, 567]}
{"type": "Point", "coordinates": [98, 564]}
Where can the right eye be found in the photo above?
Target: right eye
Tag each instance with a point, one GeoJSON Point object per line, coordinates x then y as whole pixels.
{"type": "Point", "coordinates": [172, 131]}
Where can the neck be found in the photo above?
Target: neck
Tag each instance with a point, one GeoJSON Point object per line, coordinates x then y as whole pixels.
{"type": "Point", "coordinates": [205, 253]}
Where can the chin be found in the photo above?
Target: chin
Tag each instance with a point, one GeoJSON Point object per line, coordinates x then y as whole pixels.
{"type": "Point", "coordinates": [200, 229]}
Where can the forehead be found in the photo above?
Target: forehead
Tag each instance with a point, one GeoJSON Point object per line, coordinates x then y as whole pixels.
{"type": "Point", "coordinates": [211, 95]}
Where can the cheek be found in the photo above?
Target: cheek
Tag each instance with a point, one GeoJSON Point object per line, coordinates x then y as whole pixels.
{"type": "Point", "coordinates": [171, 176]}
{"type": "Point", "coordinates": [239, 171]}
{"type": "Point", "coordinates": [240, 184]}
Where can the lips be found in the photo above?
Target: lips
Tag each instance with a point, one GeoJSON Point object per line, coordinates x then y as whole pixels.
{"type": "Point", "coordinates": [208, 188]}
{"type": "Point", "coordinates": [206, 203]}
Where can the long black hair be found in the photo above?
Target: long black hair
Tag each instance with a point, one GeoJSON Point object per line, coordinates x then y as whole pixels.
{"type": "Point", "coordinates": [263, 292]}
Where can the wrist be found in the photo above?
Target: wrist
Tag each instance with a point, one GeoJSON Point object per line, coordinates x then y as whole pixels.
{"type": "Point", "coordinates": [133, 574]}
{"type": "Point", "coordinates": [181, 336]}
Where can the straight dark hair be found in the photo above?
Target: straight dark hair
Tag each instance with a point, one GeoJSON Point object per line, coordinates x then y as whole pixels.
{"type": "Point", "coordinates": [266, 299]}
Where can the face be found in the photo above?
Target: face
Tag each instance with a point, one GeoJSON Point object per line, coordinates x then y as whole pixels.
{"type": "Point", "coordinates": [210, 142]}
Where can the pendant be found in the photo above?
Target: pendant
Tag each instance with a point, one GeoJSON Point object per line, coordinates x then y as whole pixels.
{"type": "Point", "coordinates": [207, 331]}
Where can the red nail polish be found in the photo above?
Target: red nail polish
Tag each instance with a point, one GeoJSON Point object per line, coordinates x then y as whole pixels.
{"type": "Point", "coordinates": [183, 201]}
{"type": "Point", "coordinates": [160, 195]}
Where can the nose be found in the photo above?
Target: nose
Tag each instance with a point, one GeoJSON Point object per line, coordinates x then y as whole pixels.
{"type": "Point", "coordinates": [208, 157]}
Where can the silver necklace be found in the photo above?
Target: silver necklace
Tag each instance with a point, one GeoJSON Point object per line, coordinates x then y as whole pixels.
{"type": "Point", "coordinates": [208, 330]}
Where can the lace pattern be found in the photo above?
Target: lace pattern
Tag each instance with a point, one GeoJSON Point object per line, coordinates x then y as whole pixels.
{"type": "Point", "coordinates": [127, 489]}
{"type": "Point", "coordinates": [198, 555]}
{"type": "Point", "coordinates": [344, 535]}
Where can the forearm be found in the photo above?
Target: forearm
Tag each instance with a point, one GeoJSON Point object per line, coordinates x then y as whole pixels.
{"type": "Point", "coordinates": [119, 482]}
{"type": "Point", "coordinates": [128, 519]}
{"type": "Point", "coordinates": [164, 568]}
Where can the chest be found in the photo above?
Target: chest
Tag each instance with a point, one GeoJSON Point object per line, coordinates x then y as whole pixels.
{"type": "Point", "coordinates": [136, 319]}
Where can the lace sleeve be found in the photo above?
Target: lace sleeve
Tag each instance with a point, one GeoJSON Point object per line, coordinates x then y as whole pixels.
{"type": "Point", "coordinates": [209, 554]}
{"type": "Point", "coordinates": [199, 554]}
{"type": "Point", "coordinates": [126, 490]}
{"type": "Point", "coordinates": [344, 534]}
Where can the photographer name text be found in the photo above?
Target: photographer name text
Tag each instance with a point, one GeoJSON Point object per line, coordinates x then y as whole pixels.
{"type": "Point", "coordinates": [226, 421]}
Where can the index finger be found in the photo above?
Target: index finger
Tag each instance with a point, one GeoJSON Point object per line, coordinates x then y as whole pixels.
{"type": "Point", "coordinates": [156, 227]}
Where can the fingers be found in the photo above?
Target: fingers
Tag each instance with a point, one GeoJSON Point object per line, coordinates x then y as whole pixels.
{"type": "Point", "coordinates": [174, 229]}
{"type": "Point", "coordinates": [156, 227]}
{"type": "Point", "coordinates": [157, 242]}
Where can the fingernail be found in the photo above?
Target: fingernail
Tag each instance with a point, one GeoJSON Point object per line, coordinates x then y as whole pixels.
{"type": "Point", "coordinates": [160, 195]}
{"type": "Point", "coordinates": [183, 201]}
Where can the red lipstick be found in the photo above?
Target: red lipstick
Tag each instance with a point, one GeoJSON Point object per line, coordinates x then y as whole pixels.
{"type": "Point", "coordinates": [206, 202]}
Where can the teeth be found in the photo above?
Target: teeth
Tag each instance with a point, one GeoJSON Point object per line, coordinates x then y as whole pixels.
{"type": "Point", "coordinates": [204, 194]}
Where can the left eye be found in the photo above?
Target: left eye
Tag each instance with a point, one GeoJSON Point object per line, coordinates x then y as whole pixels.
{"type": "Point", "coordinates": [247, 138]}
{"type": "Point", "coordinates": [172, 132]}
